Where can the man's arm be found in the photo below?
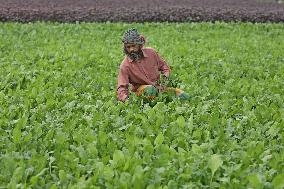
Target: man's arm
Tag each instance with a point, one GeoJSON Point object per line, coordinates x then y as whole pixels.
{"type": "Point", "coordinates": [162, 65]}
{"type": "Point", "coordinates": [122, 86]}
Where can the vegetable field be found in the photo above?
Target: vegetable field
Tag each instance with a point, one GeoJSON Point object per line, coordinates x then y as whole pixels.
{"type": "Point", "coordinates": [62, 127]}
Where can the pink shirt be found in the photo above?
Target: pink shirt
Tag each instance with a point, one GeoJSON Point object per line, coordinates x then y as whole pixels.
{"type": "Point", "coordinates": [146, 71]}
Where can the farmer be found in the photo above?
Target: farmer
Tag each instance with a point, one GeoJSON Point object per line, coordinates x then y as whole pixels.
{"type": "Point", "coordinates": [141, 68]}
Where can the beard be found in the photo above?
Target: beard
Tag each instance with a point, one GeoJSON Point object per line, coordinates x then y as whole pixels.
{"type": "Point", "coordinates": [136, 55]}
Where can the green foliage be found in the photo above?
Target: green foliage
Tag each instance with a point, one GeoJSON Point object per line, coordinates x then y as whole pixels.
{"type": "Point", "coordinates": [214, 163]}
{"type": "Point", "coordinates": [62, 127]}
{"type": "Point", "coordinates": [171, 81]}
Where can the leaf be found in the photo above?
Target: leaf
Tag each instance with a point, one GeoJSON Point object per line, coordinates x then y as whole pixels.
{"type": "Point", "coordinates": [17, 134]}
{"type": "Point", "coordinates": [34, 180]}
{"type": "Point", "coordinates": [273, 131]}
{"type": "Point", "coordinates": [108, 173]}
{"type": "Point", "coordinates": [214, 163]}
{"type": "Point", "coordinates": [159, 139]}
{"type": "Point", "coordinates": [255, 181]}
{"type": "Point", "coordinates": [82, 153]}
{"type": "Point", "coordinates": [17, 176]}
{"type": "Point", "coordinates": [28, 137]}
{"type": "Point", "coordinates": [118, 158]}
{"type": "Point", "coordinates": [137, 178]}
{"type": "Point", "coordinates": [278, 181]}
{"type": "Point", "coordinates": [180, 122]}
{"type": "Point", "coordinates": [23, 121]}
{"type": "Point", "coordinates": [190, 123]}
{"type": "Point", "coordinates": [53, 186]}
{"type": "Point", "coordinates": [62, 176]}
{"type": "Point", "coordinates": [196, 149]}
{"type": "Point", "coordinates": [172, 184]}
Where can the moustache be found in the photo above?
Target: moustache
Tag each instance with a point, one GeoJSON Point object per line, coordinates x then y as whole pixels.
{"type": "Point", "coordinates": [134, 55]}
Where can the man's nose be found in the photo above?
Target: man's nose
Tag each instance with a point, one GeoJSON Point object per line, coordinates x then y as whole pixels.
{"type": "Point", "coordinates": [131, 49]}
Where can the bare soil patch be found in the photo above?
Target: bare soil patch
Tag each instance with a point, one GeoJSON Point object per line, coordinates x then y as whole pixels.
{"type": "Point", "coordinates": [142, 11]}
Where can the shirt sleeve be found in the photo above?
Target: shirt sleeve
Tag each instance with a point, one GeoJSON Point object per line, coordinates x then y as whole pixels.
{"type": "Point", "coordinates": [122, 86]}
{"type": "Point", "coordinates": [162, 65]}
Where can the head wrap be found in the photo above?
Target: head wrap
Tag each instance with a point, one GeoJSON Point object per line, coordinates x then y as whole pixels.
{"type": "Point", "coordinates": [133, 36]}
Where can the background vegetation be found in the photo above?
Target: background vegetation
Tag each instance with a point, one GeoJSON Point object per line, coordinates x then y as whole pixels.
{"type": "Point", "coordinates": [61, 126]}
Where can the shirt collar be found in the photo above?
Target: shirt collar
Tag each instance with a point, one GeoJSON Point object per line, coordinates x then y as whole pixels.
{"type": "Point", "coordinates": [145, 55]}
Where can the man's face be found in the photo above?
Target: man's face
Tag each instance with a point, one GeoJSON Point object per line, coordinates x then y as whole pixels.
{"type": "Point", "coordinates": [132, 48]}
{"type": "Point", "coordinates": [133, 51]}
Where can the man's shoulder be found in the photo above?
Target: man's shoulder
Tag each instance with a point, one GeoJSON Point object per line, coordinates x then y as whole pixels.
{"type": "Point", "coordinates": [125, 63]}
{"type": "Point", "coordinates": [149, 50]}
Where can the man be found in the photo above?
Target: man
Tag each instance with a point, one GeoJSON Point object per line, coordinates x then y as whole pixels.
{"type": "Point", "coordinates": [141, 68]}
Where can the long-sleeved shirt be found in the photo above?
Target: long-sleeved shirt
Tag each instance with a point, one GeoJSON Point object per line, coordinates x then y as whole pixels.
{"type": "Point", "coordinates": [145, 71]}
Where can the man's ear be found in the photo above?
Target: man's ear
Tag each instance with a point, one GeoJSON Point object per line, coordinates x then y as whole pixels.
{"type": "Point", "coordinates": [143, 39]}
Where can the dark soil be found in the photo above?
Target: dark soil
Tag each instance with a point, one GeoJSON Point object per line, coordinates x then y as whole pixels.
{"type": "Point", "coordinates": [142, 10]}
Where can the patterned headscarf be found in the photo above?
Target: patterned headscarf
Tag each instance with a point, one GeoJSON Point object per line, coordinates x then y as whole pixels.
{"type": "Point", "coordinates": [133, 36]}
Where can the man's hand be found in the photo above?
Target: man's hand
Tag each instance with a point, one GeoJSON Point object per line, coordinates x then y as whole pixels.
{"type": "Point", "coordinates": [162, 83]}
{"type": "Point", "coordinates": [168, 81]}
{"type": "Point", "coordinates": [165, 81]}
